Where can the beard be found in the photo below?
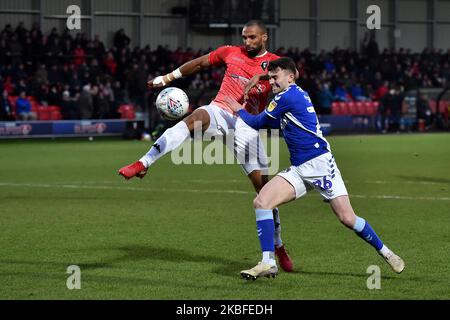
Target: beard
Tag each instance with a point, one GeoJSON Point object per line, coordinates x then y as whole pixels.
{"type": "Point", "coordinates": [254, 52]}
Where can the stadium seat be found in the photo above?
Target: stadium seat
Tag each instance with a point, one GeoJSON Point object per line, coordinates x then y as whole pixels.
{"type": "Point", "coordinates": [55, 112]}
{"type": "Point", "coordinates": [54, 108]}
{"type": "Point", "coordinates": [43, 113]}
{"type": "Point", "coordinates": [339, 108]}
{"type": "Point", "coordinates": [375, 105]}
{"type": "Point", "coordinates": [127, 112]}
{"type": "Point", "coordinates": [34, 106]}
{"type": "Point", "coordinates": [351, 108]}
{"type": "Point", "coordinates": [32, 99]}
{"type": "Point", "coordinates": [360, 108]}
{"type": "Point", "coordinates": [371, 107]}
{"type": "Point", "coordinates": [55, 115]}
{"type": "Point", "coordinates": [343, 109]}
{"type": "Point", "coordinates": [335, 108]}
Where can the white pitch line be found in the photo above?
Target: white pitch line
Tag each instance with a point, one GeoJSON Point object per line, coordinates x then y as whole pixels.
{"type": "Point", "coordinates": [245, 181]}
{"type": "Point", "coordinates": [76, 186]}
{"type": "Point", "coordinates": [346, 181]}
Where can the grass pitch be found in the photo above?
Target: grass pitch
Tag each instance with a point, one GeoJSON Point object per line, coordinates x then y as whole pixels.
{"type": "Point", "coordinates": [185, 232]}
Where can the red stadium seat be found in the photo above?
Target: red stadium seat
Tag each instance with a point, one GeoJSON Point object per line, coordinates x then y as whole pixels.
{"type": "Point", "coordinates": [127, 111]}
{"type": "Point", "coordinates": [34, 106]}
{"type": "Point", "coordinates": [32, 99]}
{"type": "Point", "coordinates": [54, 109]}
{"type": "Point", "coordinates": [343, 110]}
{"type": "Point", "coordinates": [375, 105]}
{"type": "Point", "coordinates": [55, 115]}
{"type": "Point", "coordinates": [351, 108]}
{"type": "Point", "coordinates": [360, 108]}
{"type": "Point", "coordinates": [335, 108]}
{"type": "Point", "coordinates": [371, 107]}
{"type": "Point", "coordinates": [54, 112]}
{"type": "Point", "coordinates": [43, 113]}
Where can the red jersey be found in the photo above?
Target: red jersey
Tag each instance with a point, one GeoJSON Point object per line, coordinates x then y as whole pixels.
{"type": "Point", "coordinates": [240, 69]}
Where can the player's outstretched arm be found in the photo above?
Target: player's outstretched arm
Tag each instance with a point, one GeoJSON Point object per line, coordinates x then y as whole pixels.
{"type": "Point", "coordinates": [257, 122]}
{"type": "Point", "coordinates": [186, 69]}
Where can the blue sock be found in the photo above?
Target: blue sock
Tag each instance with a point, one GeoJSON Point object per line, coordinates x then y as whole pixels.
{"type": "Point", "coordinates": [365, 231]}
{"type": "Point", "coordinates": [265, 228]}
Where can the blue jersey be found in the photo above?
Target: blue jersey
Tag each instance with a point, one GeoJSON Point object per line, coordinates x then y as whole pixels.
{"type": "Point", "coordinates": [294, 113]}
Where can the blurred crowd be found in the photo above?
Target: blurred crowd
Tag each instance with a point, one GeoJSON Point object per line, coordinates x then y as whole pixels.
{"type": "Point", "coordinates": [346, 75]}
{"type": "Point", "coordinates": [88, 80]}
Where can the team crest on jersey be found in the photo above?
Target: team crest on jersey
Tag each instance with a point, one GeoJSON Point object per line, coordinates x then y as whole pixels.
{"type": "Point", "coordinates": [264, 65]}
{"type": "Point", "coordinates": [271, 106]}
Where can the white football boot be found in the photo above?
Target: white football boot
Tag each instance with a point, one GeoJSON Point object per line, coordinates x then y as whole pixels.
{"type": "Point", "coordinates": [260, 270]}
{"type": "Point", "coordinates": [397, 264]}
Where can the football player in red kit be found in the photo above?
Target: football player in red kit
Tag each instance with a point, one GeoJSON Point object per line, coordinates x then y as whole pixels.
{"type": "Point", "coordinates": [242, 64]}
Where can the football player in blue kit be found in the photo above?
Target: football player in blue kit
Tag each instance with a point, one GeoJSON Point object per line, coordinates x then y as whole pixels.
{"type": "Point", "coordinates": [312, 167]}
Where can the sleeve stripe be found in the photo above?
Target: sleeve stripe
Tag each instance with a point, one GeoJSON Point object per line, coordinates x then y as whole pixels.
{"type": "Point", "coordinates": [270, 115]}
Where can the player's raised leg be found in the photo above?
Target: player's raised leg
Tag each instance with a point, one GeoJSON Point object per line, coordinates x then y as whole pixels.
{"type": "Point", "coordinates": [344, 211]}
{"type": "Point", "coordinates": [169, 140]}
{"type": "Point", "coordinates": [277, 191]}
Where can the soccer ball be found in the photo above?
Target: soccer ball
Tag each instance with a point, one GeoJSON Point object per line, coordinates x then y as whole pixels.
{"type": "Point", "coordinates": [146, 137]}
{"type": "Point", "coordinates": [172, 103]}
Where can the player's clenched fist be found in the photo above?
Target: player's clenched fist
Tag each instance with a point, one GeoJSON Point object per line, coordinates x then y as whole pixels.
{"type": "Point", "coordinates": [162, 81]}
{"type": "Point", "coordinates": [158, 82]}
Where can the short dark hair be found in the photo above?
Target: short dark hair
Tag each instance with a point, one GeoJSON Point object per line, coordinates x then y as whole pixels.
{"type": "Point", "coordinates": [284, 63]}
{"type": "Point", "coordinates": [257, 23]}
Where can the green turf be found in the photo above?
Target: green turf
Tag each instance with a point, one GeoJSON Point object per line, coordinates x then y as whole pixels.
{"type": "Point", "coordinates": [181, 233]}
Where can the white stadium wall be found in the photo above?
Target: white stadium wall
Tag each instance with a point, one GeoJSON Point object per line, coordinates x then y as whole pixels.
{"type": "Point", "coordinates": [314, 24]}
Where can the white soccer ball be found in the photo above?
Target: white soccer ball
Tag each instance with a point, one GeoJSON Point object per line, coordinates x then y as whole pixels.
{"type": "Point", "coordinates": [172, 103]}
{"type": "Point", "coordinates": [146, 137]}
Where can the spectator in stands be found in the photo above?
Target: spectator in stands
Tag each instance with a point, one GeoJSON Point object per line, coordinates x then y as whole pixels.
{"type": "Point", "coordinates": [23, 108]}
{"type": "Point", "coordinates": [91, 65]}
{"type": "Point", "coordinates": [382, 90]}
{"type": "Point", "coordinates": [357, 92]}
{"type": "Point", "coordinates": [340, 93]}
{"type": "Point", "coordinates": [424, 113]}
{"type": "Point", "coordinates": [103, 105]}
{"type": "Point", "coordinates": [15, 49]}
{"type": "Point", "coordinates": [6, 108]}
{"type": "Point", "coordinates": [396, 109]}
{"type": "Point", "coordinates": [53, 96]}
{"type": "Point", "coordinates": [80, 55]}
{"type": "Point", "coordinates": [389, 111]}
{"type": "Point", "coordinates": [40, 77]}
{"type": "Point", "coordinates": [110, 63]}
{"type": "Point", "coordinates": [324, 99]}
{"type": "Point", "coordinates": [121, 40]}
{"type": "Point", "coordinates": [68, 108]}
{"type": "Point", "coordinates": [84, 104]}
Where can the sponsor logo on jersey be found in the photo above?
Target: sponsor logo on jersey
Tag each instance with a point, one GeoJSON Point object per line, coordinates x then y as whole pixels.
{"type": "Point", "coordinates": [238, 59]}
{"type": "Point", "coordinates": [271, 106]}
{"type": "Point", "coordinates": [264, 65]}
